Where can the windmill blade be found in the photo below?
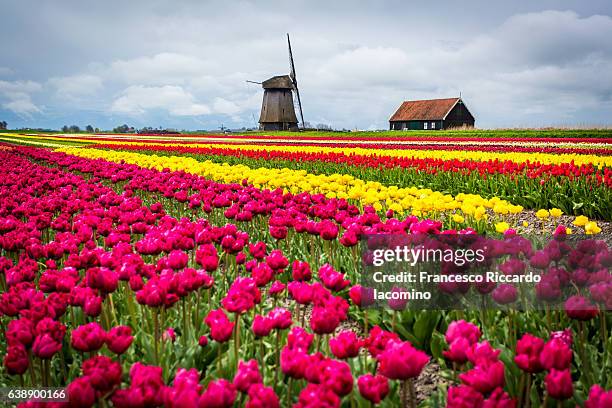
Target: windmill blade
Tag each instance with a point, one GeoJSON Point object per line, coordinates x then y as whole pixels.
{"type": "Point", "coordinates": [294, 80]}
{"type": "Point", "coordinates": [291, 65]}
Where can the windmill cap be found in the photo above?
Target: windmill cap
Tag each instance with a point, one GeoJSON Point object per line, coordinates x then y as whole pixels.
{"type": "Point", "coordinates": [278, 82]}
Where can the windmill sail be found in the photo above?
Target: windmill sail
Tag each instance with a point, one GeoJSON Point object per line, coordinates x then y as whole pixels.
{"type": "Point", "coordinates": [294, 80]}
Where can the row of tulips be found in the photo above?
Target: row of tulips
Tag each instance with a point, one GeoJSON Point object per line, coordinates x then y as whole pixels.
{"type": "Point", "coordinates": [558, 147]}
{"type": "Point", "coordinates": [534, 170]}
{"type": "Point", "coordinates": [327, 378]}
{"type": "Point", "coordinates": [586, 137]}
{"type": "Point", "coordinates": [578, 190]}
{"type": "Point", "coordinates": [412, 200]}
{"type": "Point", "coordinates": [478, 151]}
{"type": "Point", "coordinates": [415, 152]}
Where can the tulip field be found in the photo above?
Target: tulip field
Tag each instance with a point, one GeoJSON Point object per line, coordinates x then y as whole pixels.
{"type": "Point", "coordinates": [226, 271]}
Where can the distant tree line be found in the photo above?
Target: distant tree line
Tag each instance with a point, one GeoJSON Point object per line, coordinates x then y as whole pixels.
{"type": "Point", "coordinates": [76, 129]}
{"type": "Point", "coordinates": [124, 129]}
{"type": "Point", "coordinates": [119, 129]}
{"type": "Point", "coordinates": [319, 126]}
{"type": "Point", "coordinates": [3, 125]}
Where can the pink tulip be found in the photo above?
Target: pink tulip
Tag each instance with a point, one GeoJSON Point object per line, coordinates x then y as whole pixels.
{"type": "Point", "coordinates": [401, 361]}
{"type": "Point", "coordinates": [373, 388]}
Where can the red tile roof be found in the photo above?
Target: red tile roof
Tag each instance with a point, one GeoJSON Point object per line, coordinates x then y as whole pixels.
{"type": "Point", "coordinates": [432, 109]}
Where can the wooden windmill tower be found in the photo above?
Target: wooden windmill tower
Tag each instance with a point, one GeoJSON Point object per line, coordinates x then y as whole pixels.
{"type": "Point", "coordinates": [277, 108]}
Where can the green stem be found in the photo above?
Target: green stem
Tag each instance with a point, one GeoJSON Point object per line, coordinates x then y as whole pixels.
{"type": "Point", "coordinates": [289, 384]}
{"type": "Point", "coordinates": [528, 392]}
{"type": "Point", "coordinates": [278, 367]}
{"type": "Point", "coordinates": [156, 336]}
{"type": "Point", "coordinates": [185, 325]}
{"type": "Point", "coordinates": [237, 338]}
{"type": "Point", "coordinates": [413, 400]}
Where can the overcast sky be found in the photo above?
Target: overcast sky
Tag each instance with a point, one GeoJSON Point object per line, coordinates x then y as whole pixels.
{"type": "Point", "coordinates": [184, 64]}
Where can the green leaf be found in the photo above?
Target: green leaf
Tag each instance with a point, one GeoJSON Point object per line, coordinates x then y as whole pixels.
{"type": "Point", "coordinates": [437, 345]}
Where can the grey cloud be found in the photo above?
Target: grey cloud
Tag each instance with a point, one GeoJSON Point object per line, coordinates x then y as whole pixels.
{"type": "Point", "coordinates": [186, 63]}
{"type": "Point", "coordinates": [137, 99]}
{"type": "Point", "coordinates": [76, 86]}
{"type": "Point", "coordinates": [16, 97]}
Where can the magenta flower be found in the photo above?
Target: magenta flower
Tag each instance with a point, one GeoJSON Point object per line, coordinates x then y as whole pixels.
{"type": "Point", "coordinates": [332, 279]}
{"type": "Point", "coordinates": [556, 354]}
{"type": "Point", "coordinates": [177, 260]}
{"type": "Point", "coordinates": [81, 393]}
{"type": "Point", "coordinates": [88, 337]}
{"type": "Point", "coordinates": [247, 375]}
{"type": "Point", "coordinates": [103, 372]}
{"type": "Point", "coordinates": [528, 350]}
{"type": "Point", "coordinates": [401, 361]}
{"type": "Point", "coordinates": [559, 384]}
{"type": "Point", "coordinates": [345, 345]}
{"type": "Point", "coordinates": [484, 378]}
{"type": "Point", "coordinates": [499, 399]}
{"type": "Point", "coordinates": [280, 317]}
{"type": "Point", "coordinates": [221, 327]}
{"type": "Point", "coordinates": [119, 339]}
{"type": "Point", "coordinates": [598, 398]}
{"type": "Point", "coordinates": [219, 394]}
{"type": "Point", "coordinates": [261, 396]}
{"type": "Point", "coordinates": [373, 388]}
{"type": "Point", "coordinates": [463, 396]}
{"type": "Point", "coordinates": [300, 271]}
{"type": "Point", "coordinates": [580, 308]}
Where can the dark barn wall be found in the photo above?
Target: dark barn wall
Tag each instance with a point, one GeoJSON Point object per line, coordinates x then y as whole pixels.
{"type": "Point", "coordinates": [415, 125]}
{"type": "Point", "coordinates": [459, 116]}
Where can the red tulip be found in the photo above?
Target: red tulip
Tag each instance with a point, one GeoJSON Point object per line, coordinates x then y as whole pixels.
{"type": "Point", "coordinates": [247, 375]}
{"type": "Point", "coordinates": [559, 384]}
{"type": "Point", "coordinates": [499, 399]}
{"type": "Point", "coordinates": [220, 326]}
{"type": "Point", "coordinates": [88, 337]}
{"type": "Point", "coordinates": [579, 308]}
{"type": "Point", "coordinates": [463, 396]}
{"type": "Point", "coordinates": [261, 396]}
{"type": "Point", "coordinates": [528, 350]}
{"type": "Point", "coordinates": [119, 339]}
{"type": "Point", "coordinates": [556, 354]}
{"type": "Point", "coordinates": [16, 360]}
{"type": "Point", "coordinates": [262, 326]}
{"type": "Point", "coordinates": [484, 378]}
{"type": "Point", "coordinates": [373, 388]}
{"type": "Point", "coordinates": [219, 394]}
{"type": "Point", "coordinates": [401, 361]}
{"type": "Point", "coordinates": [102, 372]}
{"type": "Point", "coordinates": [598, 398]}
{"type": "Point", "coordinates": [345, 345]}
{"type": "Point", "coordinates": [81, 393]}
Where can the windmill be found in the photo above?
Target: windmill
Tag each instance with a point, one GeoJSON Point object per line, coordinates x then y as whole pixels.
{"type": "Point", "coordinates": [277, 108]}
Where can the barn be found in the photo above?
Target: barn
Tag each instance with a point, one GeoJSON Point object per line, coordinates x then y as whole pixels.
{"type": "Point", "coordinates": [431, 114]}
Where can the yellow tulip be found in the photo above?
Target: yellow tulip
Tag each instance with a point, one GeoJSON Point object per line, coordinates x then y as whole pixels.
{"type": "Point", "coordinates": [555, 212]}
{"type": "Point", "coordinates": [592, 228]}
{"type": "Point", "coordinates": [501, 227]}
{"type": "Point", "coordinates": [581, 221]}
{"type": "Point", "coordinates": [458, 218]}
